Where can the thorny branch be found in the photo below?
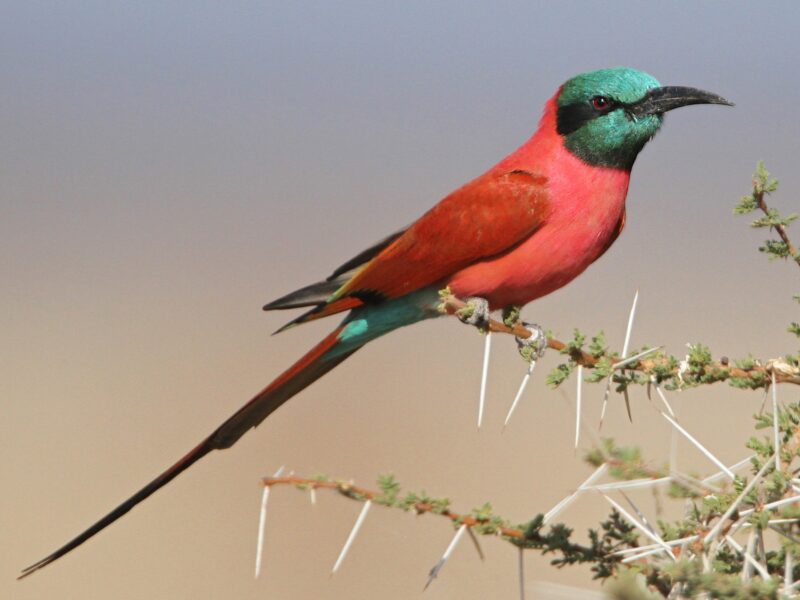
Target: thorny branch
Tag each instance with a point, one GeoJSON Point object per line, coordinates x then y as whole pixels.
{"type": "Point", "coordinates": [763, 185]}
{"type": "Point", "coordinates": [758, 375]}
{"type": "Point", "coordinates": [354, 492]}
{"type": "Point", "coordinates": [614, 535]}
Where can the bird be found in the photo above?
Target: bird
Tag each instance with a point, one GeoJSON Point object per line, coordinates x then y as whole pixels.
{"type": "Point", "coordinates": [521, 230]}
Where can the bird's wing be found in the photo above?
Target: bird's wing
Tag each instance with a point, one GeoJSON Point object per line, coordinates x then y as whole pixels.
{"type": "Point", "coordinates": [484, 218]}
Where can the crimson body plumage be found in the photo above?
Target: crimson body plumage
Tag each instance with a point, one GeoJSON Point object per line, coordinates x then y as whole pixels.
{"type": "Point", "coordinates": [523, 229]}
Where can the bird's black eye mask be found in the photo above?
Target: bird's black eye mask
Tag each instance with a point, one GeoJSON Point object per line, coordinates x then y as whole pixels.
{"type": "Point", "coordinates": [572, 117]}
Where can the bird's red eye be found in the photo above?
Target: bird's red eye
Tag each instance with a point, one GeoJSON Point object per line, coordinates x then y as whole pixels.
{"type": "Point", "coordinates": [600, 102]}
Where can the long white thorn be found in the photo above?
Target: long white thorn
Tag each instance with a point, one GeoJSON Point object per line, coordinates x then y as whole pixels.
{"type": "Point", "coordinates": [630, 325]}
{"type": "Point", "coordinates": [578, 400]}
{"type": "Point", "coordinates": [656, 547]}
{"type": "Point", "coordinates": [788, 569]}
{"type": "Point", "coordinates": [664, 400]}
{"type": "Point", "coordinates": [631, 484]}
{"type": "Point", "coordinates": [598, 473]}
{"type": "Point", "coordinates": [733, 467]}
{"type": "Point", "coordinates": [625, 346]}
{"type": "Point", "coordinates": [351, 538]}
{"type": "Point", "coordinates": [706, 562]}
{"type": "Point", "coordinates": [521, 565]}
{"type": "Point", "coordinates": [747, 568]}
{"type": "Point", "coordinates": [699, 446]}
{"type": "Point", "coordinates": [487, 350]}
{"type": "Point", "coordinates": [673, 434]}
{"type": "Point", "coordinates": [711, 535]}
{"type": "Point", "coordinates": [776, 430]}
{"type": "Point", "coordinates": [771, 505]}
{"type": "Point", "coordinates": [762, 553]}
{"type": "Point", "coordinates": [622, 362]}
{"type": "Point", "coordinates": [635, 357]}
{"type": "Point", "coordinates": [438, 566]}
{"type": "Point", "coordinates": [748, 556]}
{"type": "Point", "coordinates": [645, 530]}
{"type": "Point", "coordinates": [587, 430]}
{"type": "Point", "coordinates": [520, 391]}
{"type": "Point", "coordinates": [262, 522]}
{"type": "Point", "coordinates": [782, 521]}
{"type": "Point", "coordinates": [639, 513]}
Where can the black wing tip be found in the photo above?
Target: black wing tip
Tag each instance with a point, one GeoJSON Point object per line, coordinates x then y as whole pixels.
{"type": "Point", "coordinates": [280, 305]}
{"type": "Point", "coordinates": [277, 305]}
{"type": "Point", "coordinates": [310, 295]}
{"type": "Point", "coordinates": [289, 325]}
{"type": "Point", "coordinates": [39, 565]}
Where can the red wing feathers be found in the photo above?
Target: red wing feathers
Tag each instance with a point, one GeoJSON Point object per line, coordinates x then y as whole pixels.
{"type": "Point", "coordinates": [483, 218]}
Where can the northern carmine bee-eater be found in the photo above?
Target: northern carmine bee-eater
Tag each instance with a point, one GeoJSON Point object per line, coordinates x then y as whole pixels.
{"type": "Point", "coordinates": [523, 229]}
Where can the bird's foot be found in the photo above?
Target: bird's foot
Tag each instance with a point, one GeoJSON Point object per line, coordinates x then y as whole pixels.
{"type": "Point", "coordinates": [532, 348]}
{"type": "Point", "coordinates": [475, 313]}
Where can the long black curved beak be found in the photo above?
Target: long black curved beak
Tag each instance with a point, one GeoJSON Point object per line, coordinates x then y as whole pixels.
{"type": "Point", "coordinates": [659, 100]}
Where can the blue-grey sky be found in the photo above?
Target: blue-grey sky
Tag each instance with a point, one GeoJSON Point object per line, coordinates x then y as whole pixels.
{"type": "Point", "coordinates": [165, 169]}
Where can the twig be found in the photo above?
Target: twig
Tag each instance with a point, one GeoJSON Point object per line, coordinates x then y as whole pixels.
{"type": "Point", "coordinates": [758, 195]}
{"type": "Point", "coordinates": [355, 492]}
{"type": "Point", "coordinates": [450, 305]}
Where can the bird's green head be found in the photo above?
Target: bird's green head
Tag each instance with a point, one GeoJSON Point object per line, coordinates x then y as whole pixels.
{"type": "Point", "coordinates": [607, 116]}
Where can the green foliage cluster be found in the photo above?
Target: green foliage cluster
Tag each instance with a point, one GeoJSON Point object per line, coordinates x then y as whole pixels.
{"type": "Point", "coordinates": [698, 367]}
{"type": "Point", "coordinates": [763, 185]}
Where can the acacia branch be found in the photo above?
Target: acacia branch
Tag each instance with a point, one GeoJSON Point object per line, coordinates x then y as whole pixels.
{"type": "Point", "coordinates": [759, 375]}
{"type": "Point", "coordinates": [354, 492]}
{"type": "Point", "coordinates": [758, 196]}
{"type": "Point", "coordinates": [602, 552]}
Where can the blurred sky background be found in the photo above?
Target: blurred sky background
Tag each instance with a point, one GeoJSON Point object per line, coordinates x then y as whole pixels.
{"type": "Point", "coordinates": [167, 168]}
